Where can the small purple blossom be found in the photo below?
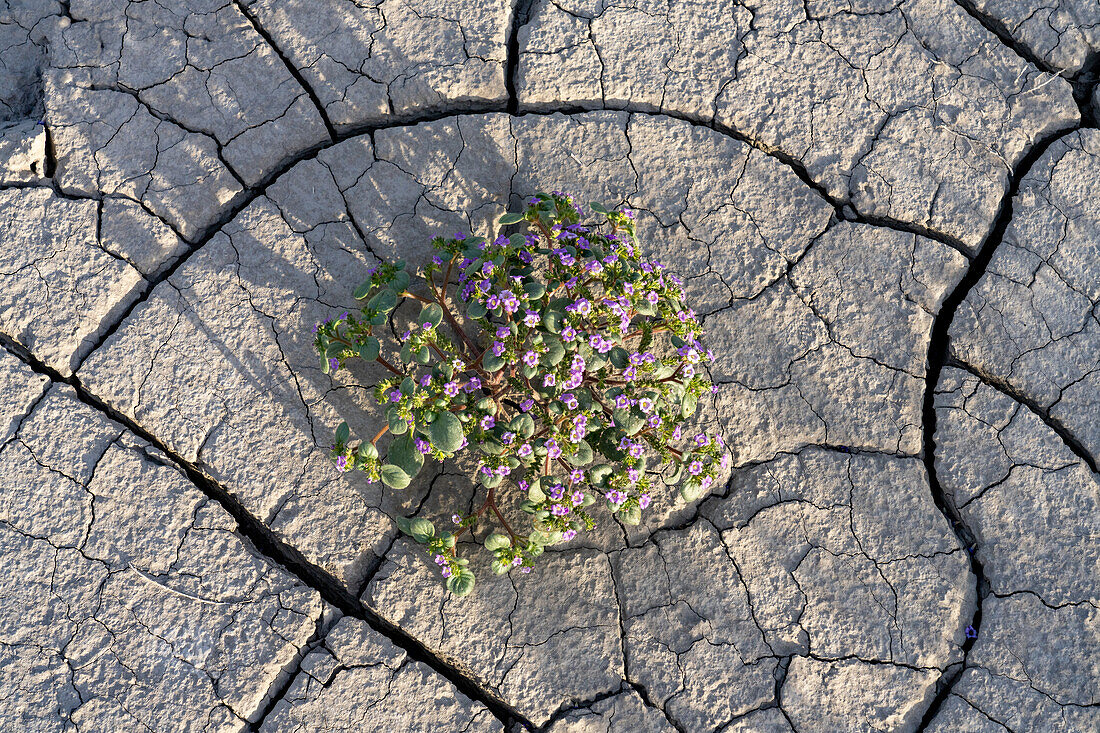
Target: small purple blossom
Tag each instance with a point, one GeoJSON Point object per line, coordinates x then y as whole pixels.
{"type": "Point", "coordinates": [487, 422]}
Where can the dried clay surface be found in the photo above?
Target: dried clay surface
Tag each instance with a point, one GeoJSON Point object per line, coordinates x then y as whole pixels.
{"type": "Point", "coordinates": [886, 213]}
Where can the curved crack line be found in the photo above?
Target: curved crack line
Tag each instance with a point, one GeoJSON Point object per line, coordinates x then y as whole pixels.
{"type": "Point", "coordinates": [269, 546]}
{"type": "Point", "coordinates": [938, 357]}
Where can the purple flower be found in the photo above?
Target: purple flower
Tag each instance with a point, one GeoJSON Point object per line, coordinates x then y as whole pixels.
{"type": "Point", "coordinates": [446, 571]}
{"type": "Point", "coordinates": [473, 384]}
{"type": "Point", "coordinates": [487, 422]}
{"type": "Point", "coordinates": [568, 333]}
{"type": "Point", "coordinates": [341, 463]}
{"type": "Point", "coordinates": [615, 497]}
{"type": "Point", "coordinates": [527, 404]}
{"type": "Point", "coordinates": [700, 439]}
{"type": "Point", "coordinates": [423, 446]}
{"type": "Point", "coordinates": [568, 534]}
{"type": "Point", "coordinates": [553, 449]}
{"type": "Point", "coordinates": [487, 268]}
{"type": "Point", "coordinates": [508, 438]}
{"type": "Point", "coordinates": [450, 388]}
{"type": "Point", "coordinates": [530, 358]}
{"type": "Point", "coordinates": [455, 518]}
{"type": "Point", "coordinates": [651, 297]}
{"type": "Point", "coordinates": [576, 475]}
{"type": "Point", "coordinates": [578, 498]}
{"type": "Point", "coordinates": [570, 400]}
{"type": "Point", "coordinates": [548, 380]}
{"type": "Point", "coordinates": [510, 301]}
{"type": "Point", "coordinates": [695, 468]}
{"type": "Point", "coordinates": [559, 510]}
{"type": "Point", "coordinates": [439, 559]}
{"type": "Point", "coordinates": [425, 380]}
{"type": "Point", "coordinates": [395, 395]}
{"type": "Point", "coordinates": [531, 319]}
{"type": "Point", "coordinates": [498, 348]}
{"type": "Point", "coordinates": [524, 451]}
{"type": "Point", "coordinates": [622, 401]}
{"type": "Point", "coordinates": [645, 405]}
{"type": "Point", "coordinates": [643, 501]}
{"type": "Point", "coordinates": [503, 332]}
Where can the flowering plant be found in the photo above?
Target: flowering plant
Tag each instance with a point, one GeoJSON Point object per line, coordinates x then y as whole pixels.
{"type": "Point", "coordinates": [574, 363]}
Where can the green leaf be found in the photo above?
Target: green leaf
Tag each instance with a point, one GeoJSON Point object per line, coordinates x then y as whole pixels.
{"type": "Point", "coordinates": [461, 584]}
{"type": "Point", "coordinates": [403, 524]}
{"type": "Point", "coordinates": [691, 490]}
{"type": "Point", "coordinates": [555, 351]}
{"type": "Point", "coordinates": [400, 281]}
{"type": "Point", "coordinates": [523, 424]}
{"type": "Point", "coordinates": [599, 474]}
{"type": "Point", "coordinates": [582, 456]}
{"type": "Point", "coordinates": [491, 447]}
{"type": "Point", "coordinates": [343, 433]}
{"type": "Point", "coordinates": [511, 218]}
{"type": "Point", "coordinates": [517, 240]}
{"type": "Point", "coordinates": [404, 455]}
{"type": "Point", "coordinates": [394, 477]}
{"type": "Point", "coordinates": [421, 530]}
{"type": "Point", "coordinates": [677, 474]}
{"type": "Point", "coordinates": [335, 349]}
{"type": "Point", "coordinates": [500, 567]}
{"type": "Point", "coordinates": [398, 425]}
{"type": "Point", "coordinates": [535, 492]}
{"type": "Point", "coordinates": [446, 432]}
{"type": "Point", "coordinates": [551, 320]}
{"type": "Point", "coordinates": [497, 541]}
{"type": "Point", "coordinates": [619, 357]}
{"type": "Point", "coordinates": [492, 363]}
{"type": "Point", "coordinates": [367, 450]}
{"type": "Point", "coordinates": [408, 386]}
{"type": "Point", "coordinates": [527, 506]}
{"type": "Point", "coordinates": [534, 289]}
{"type": "Point", "coordinates": [631, 421]}
{"type": "Point", "coordinates": [431, 313]}
{"type": "Point", "coordinates": [687, 407]}
{"type": "Point", "coordinates": [370, 348]}
{"type": "Point", "coordinates": [406, 354]}
{"type": "Point", "coordinates": [325, 366]}
{"type": "Point", "coordinates": [363, 289]}
{"type": "Point", "coordinates": [384, 301]}
{"type": "Point", "coordinates": [631, 516]}
{"type": "Point", "coordinates": [598, 207]}
{"type": "Point", "coordinates": [475, 309]}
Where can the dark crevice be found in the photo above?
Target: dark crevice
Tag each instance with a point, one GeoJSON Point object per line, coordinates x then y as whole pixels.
{"type": "Point", "coordinates": [938, 357]}
{"type": "Point", "coordinates": [274, 549]}
{"type": "Point", "coordinates": [1056, 425]}
{"type": "Point", "coordinates": [290, 67]}
{"type": "Point", "coordinates": [1082, 81]}
{"type": "Point", "coordinates": [282, 685]}
{"type": "Point", "coordinates": [521, 14]}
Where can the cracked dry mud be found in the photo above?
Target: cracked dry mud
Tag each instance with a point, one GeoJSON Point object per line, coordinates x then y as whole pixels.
{"type": "Point", "coordinates": [887, 212]}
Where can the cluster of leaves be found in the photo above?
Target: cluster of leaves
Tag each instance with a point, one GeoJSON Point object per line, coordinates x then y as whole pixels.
{"type": "Point", "coordinates": [570, 371]}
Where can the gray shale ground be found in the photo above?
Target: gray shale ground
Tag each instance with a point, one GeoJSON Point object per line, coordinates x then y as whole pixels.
{"type": "Point", "coordinates": [888, 211]}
